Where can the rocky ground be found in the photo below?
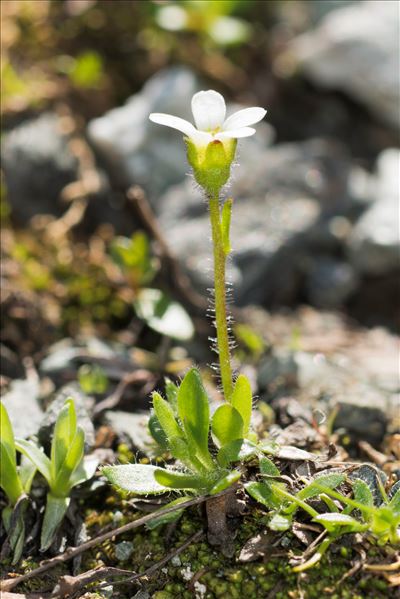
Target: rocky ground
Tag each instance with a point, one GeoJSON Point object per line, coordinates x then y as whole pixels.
{"type": "Point", "coordinates": [315, 289]}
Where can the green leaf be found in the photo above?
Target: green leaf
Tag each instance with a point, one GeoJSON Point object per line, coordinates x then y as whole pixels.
{"type": "Point", "coordinates": [263, 493]}
{"type": "Point", "coordinates": [157, 432]}
{"type": "Point", "coordinates": [362, 492]}
{"type": "Point", "coordinates": [166, 417]}
{"type": "Point", "coordinates": [171, 391]}
{"type": "Point", "coordinates": [56, 508]}
{"type": "Point", "coordinates": [247, 337]}
{"type": "Point", "coordinates": [280, 522]}
{"type": "Point", "coordinates": [64, 433]}
{"type": "Point", "coordinates": [168, 518]}
{"type": "Point", "coordinates": [394, 503]}
{"type": "Point", "coordinates": [61, 486]}
{"type": "Point", "coordinates": [226, 225]}
{"type": "Point", "coordinates": [87, 70]}
{"type": "Point", "coordinates": [133, 254]}
{"type": "Point", "coordinates": [181, 451]}
{"type": "Point", "coordinates": [17, 534]}
{"type": "Point", "coordinates": [135, 478]}
{"type": "Point", "coordinates": [329, 481]}
{"type": "Point", "coordinates": [9, 479]}
{"type": "Point", "coordinates": [227, 424]}
{"type": "Point", "coordinates": [85, 471]}
{"type": "Point", "coordinates": [194, 413]}
{"type": "Point", "coordinates": [333, 521]}
{"type": "Point", "coordinates": [27, 471]}
{"type": "Point", "coordinates": [7, 435]}
{"type": "Point", "coordinates": [36, 455]}
{"type": "Point", "coordinates": [238, 450]}
{"type": "Point", "coordinates": [178, 480]}
{"type": "Point", "coordinates": [267, 467]}
{"type": "Point", "coordinates": [242, 401]}
{"type": "Point", "coordinates": [225, 482]}
{"type": "Point", "coordinates": [163, 315]}
{"type": "Point", "coordinates": [92, 379]}
{"type": "Point", "coordinates": [269, 446]}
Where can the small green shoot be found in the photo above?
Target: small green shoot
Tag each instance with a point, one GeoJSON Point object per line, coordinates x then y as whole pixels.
{"type": "Point", "coordinates": [16, 483]}
{"type": "Point", "coordinates": [65, 468]}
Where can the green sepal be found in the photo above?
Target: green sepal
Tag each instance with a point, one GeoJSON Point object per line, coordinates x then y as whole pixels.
{"type": "Point", "coordinates": [212, 163]}
{"type": "Point", "coordinates": [56, 508]}
{"type": "Point", "coordinates": [227, 424]}
{"type": "Point", "coordinates": [242, 400]}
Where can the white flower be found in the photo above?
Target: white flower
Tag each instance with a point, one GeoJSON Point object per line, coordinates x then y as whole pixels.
{"type": "Point", "coordinates": [209, 112]}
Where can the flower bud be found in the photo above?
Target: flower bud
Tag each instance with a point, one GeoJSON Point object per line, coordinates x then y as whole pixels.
{"type": "Point", "coordinates": [211, 163]}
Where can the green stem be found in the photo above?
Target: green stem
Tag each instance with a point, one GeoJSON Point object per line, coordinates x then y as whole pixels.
{"type": "Point", "coordinates": [220, 299]}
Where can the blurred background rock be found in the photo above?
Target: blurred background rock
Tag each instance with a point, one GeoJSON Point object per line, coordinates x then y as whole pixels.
{"type": "Point", "coordinates": [316, 214]}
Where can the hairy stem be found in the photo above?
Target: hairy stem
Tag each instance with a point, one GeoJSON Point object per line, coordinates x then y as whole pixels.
{"type": "Point", "coordinates": [220, 299]}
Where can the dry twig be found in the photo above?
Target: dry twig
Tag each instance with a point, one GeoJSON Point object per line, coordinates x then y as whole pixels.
{"type": "Point", "coordinates": [10, 583]}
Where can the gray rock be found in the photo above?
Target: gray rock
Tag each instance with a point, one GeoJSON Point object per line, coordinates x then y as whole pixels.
{"type": "Point", "coordinates": [374, 246]}
{"type": "Point", "coordinates": [139, 151]}
{"type": "Point", "coordinates": [83, 405]}
{"type": "Point", "coordinates": [364, 407]}
{"type": "Point", "coordinates": [132, 427]}
{"type": "Point", "coordinates": [277, 365]}
{"type": "Point", "coordinates": [23, 407]}
{"type": "Point", "coordinates": [123, 551]}
{"type": "Point", "coordinates": [362, 418]}
{"type": "Point", "coordinates": [37, 164]}
{"type": "Point", "coordinates": [330, 283]}
{"type": "Point", "coordinates": [355, 49]}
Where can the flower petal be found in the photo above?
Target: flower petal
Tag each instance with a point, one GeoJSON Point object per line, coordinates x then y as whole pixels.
{"type": "Point", "coordinates": [208, 110]}
{"type": "Point", "coordinates": [201, 138]}
{"type": "Point", "coordinates": [243, 118]}
{"type": "Point", "coordinates": [242, 132]}
{"type": "Point", "coordinates": [173, 121]}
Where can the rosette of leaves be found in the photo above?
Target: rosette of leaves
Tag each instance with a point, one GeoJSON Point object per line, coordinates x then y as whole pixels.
{"type": "Point", "coordinates": [380, 518]}
{"type": "Point", "coordinates": [181, 424]}
{"type": "Point", "coordinates": [66, 468]}
{"type": "Point", "coordinates": [16, 483]}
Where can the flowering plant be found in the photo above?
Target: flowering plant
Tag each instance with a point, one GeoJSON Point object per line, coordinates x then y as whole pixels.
{"type": "Point", "coordinates": [205, 447]}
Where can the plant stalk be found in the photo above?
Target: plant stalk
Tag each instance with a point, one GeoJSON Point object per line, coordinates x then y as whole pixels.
{"type": "Point", "coordinates": [220, 299]}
